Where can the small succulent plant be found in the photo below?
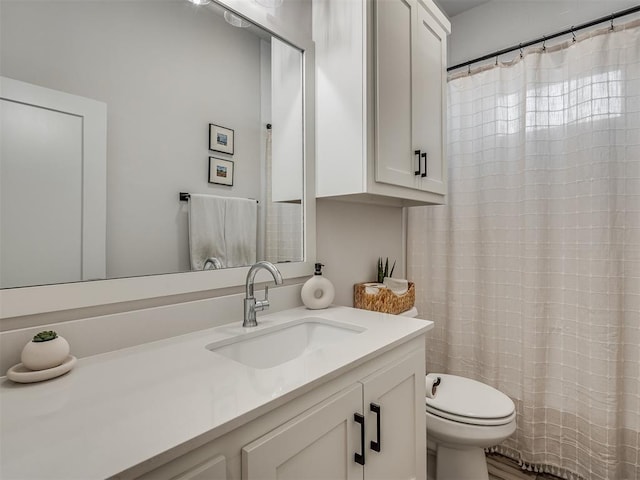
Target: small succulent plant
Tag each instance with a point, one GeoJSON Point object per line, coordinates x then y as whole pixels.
{"type": "Point", "coordinates": [45, 336]}
{"type": "Point", "coordinates": [384, 271]}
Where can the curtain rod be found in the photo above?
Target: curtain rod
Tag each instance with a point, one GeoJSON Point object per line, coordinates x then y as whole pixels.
{"type": "Point", "coordinates": [544, 38]}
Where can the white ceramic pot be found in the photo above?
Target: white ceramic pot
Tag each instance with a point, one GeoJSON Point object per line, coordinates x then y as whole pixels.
{"type": "Point", "coordinates": [43, 355]}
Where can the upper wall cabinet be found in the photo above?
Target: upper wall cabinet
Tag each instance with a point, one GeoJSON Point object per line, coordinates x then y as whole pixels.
{"type": "Point", "coordinates": [380, 67]}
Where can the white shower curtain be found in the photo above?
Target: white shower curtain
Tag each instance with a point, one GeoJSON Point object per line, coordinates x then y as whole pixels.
{"type": "Point", "coordinates": [532, 271]}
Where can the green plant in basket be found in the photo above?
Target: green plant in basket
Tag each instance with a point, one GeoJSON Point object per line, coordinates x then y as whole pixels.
{"type": "Point", "coordinates": [383, 270]}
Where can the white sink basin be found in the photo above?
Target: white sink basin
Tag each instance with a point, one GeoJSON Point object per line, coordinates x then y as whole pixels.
{"type": "Point", "coordinates": [279, 344]}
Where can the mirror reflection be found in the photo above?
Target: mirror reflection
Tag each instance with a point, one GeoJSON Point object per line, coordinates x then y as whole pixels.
{"type": "Point", "coordinates": [135, 141]}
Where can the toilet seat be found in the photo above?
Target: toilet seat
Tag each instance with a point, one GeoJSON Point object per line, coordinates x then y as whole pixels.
{"type": "Point", "coordinates": [470, 420]}
{"type": "Point", "coordinates": [468, 401]}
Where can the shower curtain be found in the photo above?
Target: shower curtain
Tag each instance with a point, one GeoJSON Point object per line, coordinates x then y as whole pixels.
{"type": "Point", "coordinates": [531, 273]}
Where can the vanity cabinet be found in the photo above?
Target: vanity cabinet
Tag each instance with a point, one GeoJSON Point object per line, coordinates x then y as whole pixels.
{"type": "Point", "coordinates": [380, 121]}
{"type": "Point", "coordinates": [316, 435]}
{"type": "Point", "coordinates": [371, 430]}
{"type": "Point", "coordinates": [320, 442]}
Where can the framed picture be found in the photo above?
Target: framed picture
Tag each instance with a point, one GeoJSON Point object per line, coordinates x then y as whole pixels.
{"type": "Point", "coordinates": [220, 139]}
{"type": "Point", "coordinates": [220, 171]}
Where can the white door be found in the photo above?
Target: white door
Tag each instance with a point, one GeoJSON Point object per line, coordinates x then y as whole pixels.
{"type": "Point", "coordinates": [429, 64]}
{"type": "Point", "coordinates": [395, 419]}
{"type": "Point", "coordinates": [52, 186]}
{"type": "Point", "coordinates": [286, 107]}
{"type": "Point", "coordinates": [410, 64]}
{"type": "Point", "coordinates": [394, 36]}
{"type": "Point", "coordinates": [319, 444]}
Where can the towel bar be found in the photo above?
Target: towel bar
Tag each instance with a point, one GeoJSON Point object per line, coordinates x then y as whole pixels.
{"type": "Point", "coordinates": [184, 197]}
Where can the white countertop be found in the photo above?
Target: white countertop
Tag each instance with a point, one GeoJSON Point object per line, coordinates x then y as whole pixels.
{"type": "Point", "coordinates": [117, 410]}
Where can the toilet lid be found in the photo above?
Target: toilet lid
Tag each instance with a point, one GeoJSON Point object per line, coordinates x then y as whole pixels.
{"type": "Point", "coordinates": [464, 397]}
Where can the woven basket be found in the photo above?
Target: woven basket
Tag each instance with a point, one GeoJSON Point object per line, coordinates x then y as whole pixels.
{"type": "Point", "coordinates": [385, 300]}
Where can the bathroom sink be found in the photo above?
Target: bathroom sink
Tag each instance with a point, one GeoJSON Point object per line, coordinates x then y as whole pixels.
{"type": "Point", "coordinates": [276, 345]}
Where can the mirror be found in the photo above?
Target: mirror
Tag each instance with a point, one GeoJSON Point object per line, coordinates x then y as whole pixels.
{"type": "Point", "coordinates": [110, 110]}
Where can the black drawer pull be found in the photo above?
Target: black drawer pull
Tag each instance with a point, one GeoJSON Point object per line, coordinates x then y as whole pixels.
{"type": "Point", "coordinates": [359, 457]}
{"type": "Point", "coordinates": [424, 155]}
{"type": "Point", "coordinates": [375, 446]}
{"type": "Point", "coordinates": [417, 152]}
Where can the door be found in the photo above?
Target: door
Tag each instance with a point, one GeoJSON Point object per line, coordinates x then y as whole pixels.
{"type": "Point", "coordinates": [429, 62]}
{"type": "Point", "coordinates": [319, 444]}
{"type": "Point", "coordinates": [41, 159]}
{"type": "Point", "coordinates": [410, 66]}
{"type": "Point", "coordinates": [53, 147]}
{"type": "Point", "coordinates": [393, 39]}
{"type": "Point", "coordinates": [395, 419]}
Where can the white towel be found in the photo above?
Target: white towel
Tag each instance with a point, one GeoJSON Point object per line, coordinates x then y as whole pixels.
{"type": "Point", "coordinates": [399, 286]}
{"type": "Point", "coordinates": [373, 288]}
{"type": "Point", "coordinates": [240, 231]}
{"type": "Point", "coordinates": [206, 229]}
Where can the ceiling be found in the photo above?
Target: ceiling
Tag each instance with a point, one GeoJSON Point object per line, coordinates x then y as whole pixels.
{"type": "Point", "coordinates": [454, 7]}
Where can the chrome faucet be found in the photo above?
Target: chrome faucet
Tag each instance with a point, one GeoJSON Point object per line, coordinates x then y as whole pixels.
{"type": "Point", "coordinates": [251, 305]}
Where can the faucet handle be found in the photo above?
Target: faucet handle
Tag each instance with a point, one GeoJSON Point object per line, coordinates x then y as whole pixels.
{"type": "Point", "coordinates": [264, 303]}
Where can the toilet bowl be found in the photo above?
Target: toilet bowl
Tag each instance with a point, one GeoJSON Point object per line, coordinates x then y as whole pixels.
{"type": "Point", "coordinates": [465, 417]}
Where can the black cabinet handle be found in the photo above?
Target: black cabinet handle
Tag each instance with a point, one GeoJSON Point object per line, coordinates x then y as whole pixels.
{"type": "Point", "coordinates": [359, 457]}
{"type": "Point", "coordinates": [375, 446]}
{"type": "Point", "coordinates": [417, 152]}
{"type": "Point", "coordinates": [424, 155]}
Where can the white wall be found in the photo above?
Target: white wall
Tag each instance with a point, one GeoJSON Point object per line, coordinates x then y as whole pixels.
{"type": "Point", "coordinates": [162, 69]}
{"type": "Point", "coordinates": [351, 238]}
{"type": "Point", "coordinates": [502, 23]}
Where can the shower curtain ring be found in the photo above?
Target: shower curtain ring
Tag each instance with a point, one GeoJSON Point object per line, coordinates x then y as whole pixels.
{"type": "Point", "coordinates": [574, 34]}
{"type": "Point", "coordinates": [612, 17]}
{"type": "Point", "coordinates": [469, 69]}
{"type": "Point", "coordinates": [544, 44]}
{"type": "Point", "coordinates": [521, 55]}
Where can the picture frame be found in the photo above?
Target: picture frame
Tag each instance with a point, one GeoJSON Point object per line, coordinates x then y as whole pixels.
{"type": "Point", "coordinates": [221, 139]}
{"type": "Point", "coordinates": [221, 171]}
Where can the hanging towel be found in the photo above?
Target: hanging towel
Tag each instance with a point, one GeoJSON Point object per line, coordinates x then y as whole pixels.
{"type": "Point", "coordinates": [206, 229]}
{"type": "Point", "coordinates": [240, 231]}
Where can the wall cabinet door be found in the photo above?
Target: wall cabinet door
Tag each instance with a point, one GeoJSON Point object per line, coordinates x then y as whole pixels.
{"type": "Point", "coordinates": [319, 444]}
{"type": "Point", "coordinates": [410, 49]}
{"type": "Point", "coordinates": [394, 22]}
{"type": "Point", "coordinates": [395, 421]}
{"type": "Point", "coordinates": [429, 95]}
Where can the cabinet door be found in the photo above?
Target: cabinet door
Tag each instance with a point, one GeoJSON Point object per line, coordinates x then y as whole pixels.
{"type": "Point", "coordinates": [394, 32]}
{"type": "Point", "coordinates": [399, 393]}
{"type": "Point", "coordinates": [319, 444]}
{"type": "Point", "coordinates": [410, 69]}
{"type": "Point", "coordinates": [429, 65]}
{"type": "Point", "coordinates": [215, 469]}
{"type": "Point", "coordinates": [182, 468]}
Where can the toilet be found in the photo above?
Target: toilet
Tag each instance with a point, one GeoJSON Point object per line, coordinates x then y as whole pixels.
{"type": "Point", "coordinates": [463, 418]}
